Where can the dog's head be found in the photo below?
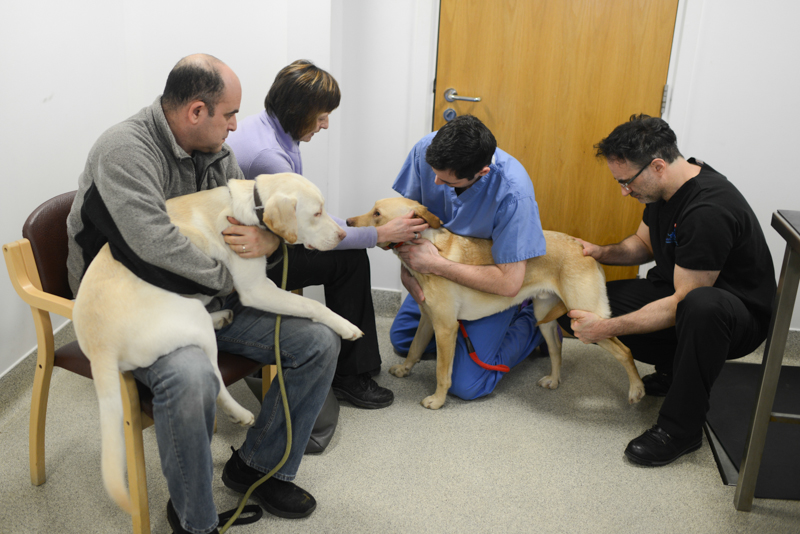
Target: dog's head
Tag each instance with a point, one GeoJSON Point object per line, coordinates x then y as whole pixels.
{"type": "Point", "coordinates": [295, 210]}
{"type": "Point", "coordinates": [390, 208]}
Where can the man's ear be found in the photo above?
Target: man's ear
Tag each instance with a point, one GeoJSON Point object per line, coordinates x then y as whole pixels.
{"type": "Point", "coordinates": [195, 111]}
{"type": "Point", "coordinates": [659, 166]}
{"type": "Point", "coordinates": [484, 171]}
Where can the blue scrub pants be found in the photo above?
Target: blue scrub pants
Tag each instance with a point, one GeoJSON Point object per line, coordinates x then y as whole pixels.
{"type": "Point", "coordinates": [505, 338]}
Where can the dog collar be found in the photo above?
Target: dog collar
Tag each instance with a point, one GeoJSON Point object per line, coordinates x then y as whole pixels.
{"type": "Point", "coordinates": [392, 246]}
{"type": "Point", "coordinates": [260, 214]}
{"type": "Point", "coordinates": [259, 206]}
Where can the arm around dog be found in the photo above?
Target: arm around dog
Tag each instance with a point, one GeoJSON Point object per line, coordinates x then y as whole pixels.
{"type": "Point", "coordinates": [503, 279]}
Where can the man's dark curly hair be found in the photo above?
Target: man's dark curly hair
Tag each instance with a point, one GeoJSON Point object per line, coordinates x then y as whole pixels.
{"type": "Point", "coordinates": [464, 145]}
{"type": "Point", "coordinates": [640, 141]}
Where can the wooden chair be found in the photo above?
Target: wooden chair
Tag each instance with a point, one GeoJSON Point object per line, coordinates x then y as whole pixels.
{"type": "Point", "coordinates": [37, 265]}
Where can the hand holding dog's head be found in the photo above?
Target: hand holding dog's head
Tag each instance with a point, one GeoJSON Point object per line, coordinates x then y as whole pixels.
{"type": "Point", "coordinates": [390, 208]}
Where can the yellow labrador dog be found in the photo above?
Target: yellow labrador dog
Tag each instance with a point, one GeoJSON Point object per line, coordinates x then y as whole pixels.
{"type": "Point", "coordinates": [123, 322]}
{"type": "Point", "coordinates": [559, 281]}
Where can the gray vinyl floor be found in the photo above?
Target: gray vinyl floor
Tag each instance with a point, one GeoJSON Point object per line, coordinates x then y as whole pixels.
{"type": "Point", "coordinates": [523, 459]}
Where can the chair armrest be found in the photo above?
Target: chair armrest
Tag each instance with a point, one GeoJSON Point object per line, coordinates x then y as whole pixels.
{"type": "Point", "coordinates": [25, 278]}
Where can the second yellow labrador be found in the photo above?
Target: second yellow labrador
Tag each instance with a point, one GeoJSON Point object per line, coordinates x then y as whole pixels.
{"type": "Point", "coordinates": [559, 281]}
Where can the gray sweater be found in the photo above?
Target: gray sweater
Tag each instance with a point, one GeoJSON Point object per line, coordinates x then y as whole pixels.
{"type": "Point", "coordinates": [132, 170]}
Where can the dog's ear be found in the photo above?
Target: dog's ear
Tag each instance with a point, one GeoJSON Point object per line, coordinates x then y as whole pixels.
{"type": "Point", "coordinates": [432, 220]}
{"type": "Point", "coordinates": [279, 216]}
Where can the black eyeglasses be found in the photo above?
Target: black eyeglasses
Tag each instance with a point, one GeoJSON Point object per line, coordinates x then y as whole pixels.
{"type": "Point", "coordinates": [626, 184]}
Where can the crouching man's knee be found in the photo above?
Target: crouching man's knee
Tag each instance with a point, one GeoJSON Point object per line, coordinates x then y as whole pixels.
{"type": "Point", "coordinates": [703, 307]}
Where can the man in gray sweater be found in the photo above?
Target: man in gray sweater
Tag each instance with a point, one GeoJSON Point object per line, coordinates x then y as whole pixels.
{"type": "Point", "coordinates": [172, 148]}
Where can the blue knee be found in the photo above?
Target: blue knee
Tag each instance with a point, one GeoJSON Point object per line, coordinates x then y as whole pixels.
{"type": "Point", "coordinates": [185, 378]}
{"type": "Point", "coordinates": [324, 344]}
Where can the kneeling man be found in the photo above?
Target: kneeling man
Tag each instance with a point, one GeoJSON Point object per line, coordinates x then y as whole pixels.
{"type": "Point", "coordinates": [476, 190]}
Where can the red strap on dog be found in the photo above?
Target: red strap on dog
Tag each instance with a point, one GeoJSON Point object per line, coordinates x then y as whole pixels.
{"type": "Point", "coordinates": [474, 355]}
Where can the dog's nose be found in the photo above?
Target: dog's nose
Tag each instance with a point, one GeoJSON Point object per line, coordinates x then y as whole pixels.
{"type": "Point", "coordinates": [342, 234]}
{"type": "Point", "coordinates": [351, 221]}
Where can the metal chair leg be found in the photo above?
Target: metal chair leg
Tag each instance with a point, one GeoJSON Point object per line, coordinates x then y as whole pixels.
{"type": "Point", "coordinates": [770, 372]}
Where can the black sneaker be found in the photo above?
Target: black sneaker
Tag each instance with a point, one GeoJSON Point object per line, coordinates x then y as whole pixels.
{"type": "Point", "coordinates": [657, 384]}
{"type": "Point", "coordinates": [278, 497]}
{"type": "Point", "coordinates": [362, 391]}
{"type": "Point", "coordinates": [175, 522]}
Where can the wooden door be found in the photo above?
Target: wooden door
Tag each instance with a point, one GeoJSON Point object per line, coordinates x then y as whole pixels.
{"type": "Point", "coordinates": [554, 78]}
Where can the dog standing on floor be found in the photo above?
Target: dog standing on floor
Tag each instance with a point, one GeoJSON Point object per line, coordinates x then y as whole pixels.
{"type": "Point", "coordinates": [562, 280]}
{"type": "Point", "coordinates": [123, 323]}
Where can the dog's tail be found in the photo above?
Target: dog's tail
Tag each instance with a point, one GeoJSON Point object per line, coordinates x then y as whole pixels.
{"type": "Point", "coordinates": [109, 394]}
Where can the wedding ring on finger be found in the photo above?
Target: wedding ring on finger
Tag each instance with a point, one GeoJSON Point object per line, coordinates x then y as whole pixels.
{"type": "Point", "coordinates": [416, 235]}
{"type": "Point", "coordinates": [244, 249]}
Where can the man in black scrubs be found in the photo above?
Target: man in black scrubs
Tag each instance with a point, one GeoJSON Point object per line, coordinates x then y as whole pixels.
{"type": "Point", "coordinates": [707, 300]}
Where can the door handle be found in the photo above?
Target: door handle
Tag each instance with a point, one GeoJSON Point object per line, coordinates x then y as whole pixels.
{"type": "Point", "coordinates": [451, 95]}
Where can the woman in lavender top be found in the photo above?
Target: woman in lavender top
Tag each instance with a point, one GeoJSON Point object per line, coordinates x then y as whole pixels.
{"type": "Point", "coordinates": [297, 106]}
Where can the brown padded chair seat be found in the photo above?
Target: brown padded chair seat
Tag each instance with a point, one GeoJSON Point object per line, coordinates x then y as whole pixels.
{"type": "Point", "coordinates": [231, 366]}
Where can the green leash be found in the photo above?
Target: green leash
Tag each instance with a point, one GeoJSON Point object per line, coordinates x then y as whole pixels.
{"type": "Point", "coordinates": [285, 405]}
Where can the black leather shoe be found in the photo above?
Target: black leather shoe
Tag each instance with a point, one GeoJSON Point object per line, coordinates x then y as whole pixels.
{"type": "Point", "coordinates": [175, 523]}
{"type": "Point", "coordinates": [362, 391]}
{"type": "Point", "coordinates": [278, 497]}
{"type": "Point", "coordinates": [657, 384]}
{"type": "Point", "coordinates": [655, 447]}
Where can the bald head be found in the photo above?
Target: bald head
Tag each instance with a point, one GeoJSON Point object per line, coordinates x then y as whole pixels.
{"type": "Point", "coordinates": [197, 77]}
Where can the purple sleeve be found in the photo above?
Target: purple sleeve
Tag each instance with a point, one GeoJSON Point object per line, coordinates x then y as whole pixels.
{"type": "Point", "coordinates": [366, 237]}
{"type": "Point", "coordinates": [268, 161]}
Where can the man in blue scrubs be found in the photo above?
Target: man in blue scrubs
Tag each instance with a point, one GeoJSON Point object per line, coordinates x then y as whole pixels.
{"type": "Point", "coordinates": [477, 190]}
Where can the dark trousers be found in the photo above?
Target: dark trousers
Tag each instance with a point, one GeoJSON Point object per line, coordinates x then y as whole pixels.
{"type": "Point", "coordinates": [712, 326]}
{"type": "Point", "coordinates": [345, 276]}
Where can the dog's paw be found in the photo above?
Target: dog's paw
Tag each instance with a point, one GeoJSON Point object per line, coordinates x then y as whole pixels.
{"type": "Point", "coordinates": [221, 318]}
{"type": "Point", "coordinates": [237, 414]}
{"type": "Point", "coordinates": [636, 393]}
{"type": "Point", "coordinates": [399, 370]}
{"type": "Point", "coordinates": [345, 329]}
{"type": "Point", "coordinates": [245, 418]}
{"type": "Point", "coordinates": [433, 402]}
{"type": "Point", "coordinates": [548, 382]}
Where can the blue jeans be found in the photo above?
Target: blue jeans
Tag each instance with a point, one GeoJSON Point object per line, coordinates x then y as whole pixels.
{"type": "Point", "coordinates": [184, 405]}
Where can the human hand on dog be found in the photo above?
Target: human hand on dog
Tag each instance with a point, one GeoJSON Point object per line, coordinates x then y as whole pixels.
{"type": "Point", "coordinates": [587, 326]}
{"type": "Point", "coordinates": [401, 229]}
{"type": "Point", "coordinates": [250, 241]}
{"type": "Point", "coordinates": [421, 255]}
{"type": "Point", "coordinates": [589, 249]}
{"type": "Point", "coordinates": [411, 285]}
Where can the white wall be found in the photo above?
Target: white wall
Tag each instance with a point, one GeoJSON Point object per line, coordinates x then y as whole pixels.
{"type": "Point", "coordinates": [72, 70]}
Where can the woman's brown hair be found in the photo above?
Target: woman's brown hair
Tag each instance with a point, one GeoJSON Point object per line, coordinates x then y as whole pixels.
{"type": "Point", "coordinates": [300, 93]}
